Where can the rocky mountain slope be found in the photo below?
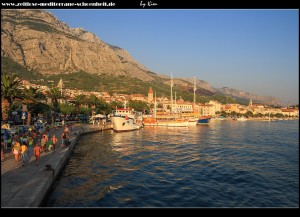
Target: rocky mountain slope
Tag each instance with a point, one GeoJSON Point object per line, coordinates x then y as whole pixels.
{"type": "Point", "coordinates": [37, 40]}
{"type": "Point", "coordinates": [41, 43]}
{"type": "Point", "coordinates": [245, 95]}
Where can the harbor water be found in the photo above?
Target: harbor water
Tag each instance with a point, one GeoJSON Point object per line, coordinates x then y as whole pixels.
{"type": "Point", "coordinates": [223, 164]}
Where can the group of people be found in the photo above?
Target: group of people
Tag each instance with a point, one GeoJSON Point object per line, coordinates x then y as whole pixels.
{"type": "Point", "coordinates": [30, 143]}
{"type": "Point", "coordinates": [27, 144]}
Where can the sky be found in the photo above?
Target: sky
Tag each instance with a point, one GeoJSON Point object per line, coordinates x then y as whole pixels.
{"type": "Point", "coordinates": [256, 51]}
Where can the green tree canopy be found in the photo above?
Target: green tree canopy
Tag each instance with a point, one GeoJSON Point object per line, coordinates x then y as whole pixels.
{"type": "Point", "coordinates": [32, 97]}
{"type": "Point", "coordinates": [54, 94]}
{"type": "Point", "coordinates": [11, 88]}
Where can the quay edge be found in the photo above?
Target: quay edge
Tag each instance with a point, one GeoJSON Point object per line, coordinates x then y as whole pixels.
{"type": "Point", "coordinates": [36, 182]}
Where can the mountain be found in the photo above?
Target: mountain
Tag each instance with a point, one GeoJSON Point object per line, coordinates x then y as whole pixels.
{"type": "Point", "coordinates": [245, 95]}
{"type": "Point", "coordinates": [36, 44]}
{"type": "Point", "coordinates": [37, 40]}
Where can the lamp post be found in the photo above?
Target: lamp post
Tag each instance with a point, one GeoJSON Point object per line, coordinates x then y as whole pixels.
{"type": "Point", "coordinates": [93, 120]}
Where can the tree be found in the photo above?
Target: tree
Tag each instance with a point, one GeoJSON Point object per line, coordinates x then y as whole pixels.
{"type": "Point", "coordinates": [233, 114]}
{"type": "Point", "coordinates": [54, 94]}
{"type": "Point", "coordinates": [103, 107]}
{"type": "Point", "coordinates": [31, 97]}
{"type": "Point", "coordinates": [115, 104]}
{"type": "Point", "coordinates": [85, 111]}
{"type": "Point", "coordinates": [93, 101]}
{"type": "Point", "coordinates": [138, 105]}
{"type": "Point", "coordinates": [249, 114]}
{"type": "Point", "coordinates": [10, 90]}
{"type": "Point", "coordinates": [66, 108]}
{"type": "Point", "coordinates": [259, 115]}
{"type": "Point", "coordinates": [223, 113]}
{"type": "Point", "coordinates": [78, 101]}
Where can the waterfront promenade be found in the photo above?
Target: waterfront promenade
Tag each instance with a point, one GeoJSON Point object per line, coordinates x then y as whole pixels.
{"type": "Point", "coordinates": [27, 186]}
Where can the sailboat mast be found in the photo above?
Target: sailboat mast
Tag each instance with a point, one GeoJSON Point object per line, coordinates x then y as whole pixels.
{"type": "Point", "coordinates": [155, 105]}
{"type": "Point", "coordinates": [194, 93]}
{"type": "Point", "coordinates": [269, 112]}
{"type": "Point", "coordinates": [171, 93]}
{"type": "Point", "coordinates": [175, 103]}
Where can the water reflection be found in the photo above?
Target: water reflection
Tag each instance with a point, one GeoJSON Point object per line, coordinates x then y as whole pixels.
{"type": "Point", "coordinates": [227, 163]}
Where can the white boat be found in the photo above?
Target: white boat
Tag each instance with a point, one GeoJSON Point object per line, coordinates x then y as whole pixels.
{"type": "Point", "coordinates": [123, 120]}
{"type": "Point", "coordinates": [242, 119]}
{"type": "Point", "coordinates": [192, 121]}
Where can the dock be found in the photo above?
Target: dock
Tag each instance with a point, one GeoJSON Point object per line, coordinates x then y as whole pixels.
{"type": "Point", "coordinates": [27, 186]}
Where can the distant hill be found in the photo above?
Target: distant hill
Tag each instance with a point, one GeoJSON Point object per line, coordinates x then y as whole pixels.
{"type": "Point", "coordinates": [242, 95]}
{"type": "Point", "coordinates": [36, 45]}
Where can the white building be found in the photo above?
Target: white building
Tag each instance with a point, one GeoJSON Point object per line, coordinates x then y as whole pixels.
{"type": "Point", "coordinates": [216, 104]}
{"type": "Point", "coordinates": [207, 109]}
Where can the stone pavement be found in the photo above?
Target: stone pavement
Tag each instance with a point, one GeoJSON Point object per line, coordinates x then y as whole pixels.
{"type": "Point", "coordinates": [26, 186]}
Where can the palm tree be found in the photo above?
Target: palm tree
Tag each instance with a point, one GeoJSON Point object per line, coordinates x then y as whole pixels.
{"type": "Point", "coordinates": [31, 97]}
{"type": "Point", "coordinates": [78, 101]}
{"type": "Point", "coordinates": [10, 90]}
{"type": "Point", "coordinates": [54, 94]}
{"type": "Point", "coordinates": [93, 101]}
{"type": "Point", "coordinates": [103, 107]}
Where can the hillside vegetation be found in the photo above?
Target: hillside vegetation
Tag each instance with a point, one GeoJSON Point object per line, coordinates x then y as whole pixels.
{"type": "Point", "coordinates": [112, 84]}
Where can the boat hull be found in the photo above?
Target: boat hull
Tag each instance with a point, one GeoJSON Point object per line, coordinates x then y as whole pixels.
{"type": "Point", "coordinates": [124, 124]}
{"type": "Point", "coordinates": [170, 123]}
{"type": "Point", "coordinates": [203, 121]}
{"type": "Point", "coordinates": [242, 119]}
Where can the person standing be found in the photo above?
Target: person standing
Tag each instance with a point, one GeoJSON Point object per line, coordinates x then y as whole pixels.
{"type": "Point", "coordinates": [2, 149]}
{"type": "Point", "coordinates": [54, 141]}
{"type": "Point", "coordinates": [66, 130]}
{"type": "Point", "coordinates": [30, 147]}
{"type": "Point", "coordinates": [5, 138]}
{"type": "Point", "coordinates": [34, 137]}
{"type": "Point", "coordinates": [43, 143]}
{"type": "Point", "coordinates": [65, 138]}
{"type": "Point", "coordinates": [37, 153]}
{"type": "Point", "coordinates": [24, 153]}
{"type": "Point", "coordinates": [16, 150]}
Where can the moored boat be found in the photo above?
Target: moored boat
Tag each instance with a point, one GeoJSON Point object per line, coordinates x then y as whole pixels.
{"type": "Point", "coordinates": [164, 120]}
{"type": "Point", "coordinates": [242, 119]}
{"type": "Point", "coordinates": [123, 120]}
{"type": "Point", "coordinates": [192, 121]}
{"type": "Point", "coordinates": [204, 120]}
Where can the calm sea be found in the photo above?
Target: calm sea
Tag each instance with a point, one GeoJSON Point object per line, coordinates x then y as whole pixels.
{"type": "Point", "coordinates": [224, 164]}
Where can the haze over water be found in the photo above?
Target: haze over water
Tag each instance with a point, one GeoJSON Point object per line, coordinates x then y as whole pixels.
{"type": "Point", "coordinates": [224, 164]}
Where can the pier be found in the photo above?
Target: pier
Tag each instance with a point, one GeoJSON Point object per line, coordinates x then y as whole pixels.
{"type": "Point", "coordinates": [27, 186]}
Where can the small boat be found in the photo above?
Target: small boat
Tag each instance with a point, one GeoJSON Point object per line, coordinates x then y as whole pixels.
{"type": "Point", "coordinates": [123, 120]}
{"type": "Point", "coordinates": [242, 119]}
{"type": "Point", "coordinates": [220, 118]}
{"type": "Point", "coordinates": [192, 121]}
{"type": "Point", "coordinates": [204, 120]}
